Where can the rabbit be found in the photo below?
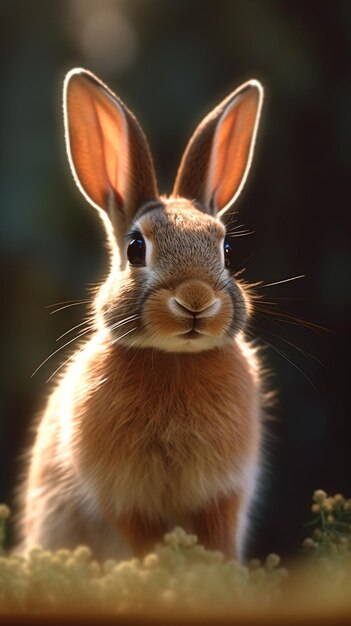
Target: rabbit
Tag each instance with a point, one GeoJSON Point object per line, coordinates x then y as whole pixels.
{"type": "Point", "coordinates": [156, 421]}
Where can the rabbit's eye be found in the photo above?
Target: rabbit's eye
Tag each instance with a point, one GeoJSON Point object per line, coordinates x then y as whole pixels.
{"type": "Point", "coordinates": [228, 255]}
{"type": "Point", "coordinates": [136, 250]}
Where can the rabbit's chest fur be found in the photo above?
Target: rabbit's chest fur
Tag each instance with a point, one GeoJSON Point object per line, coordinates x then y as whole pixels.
{"type": "Point", "coordinates": [161, 433]}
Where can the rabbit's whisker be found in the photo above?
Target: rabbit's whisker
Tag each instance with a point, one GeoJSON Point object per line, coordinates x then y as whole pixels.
{"type": "Point", "coordinates": [67, 306]}
{"type": "Point", "coordinates": [280, 282]}
{"type": "Point", "coordinates": [239, 233]}
{"type": "Point", "coordinates": [287, 318]}
{"type": "Point", "coordinates": [241, 265]}
{"type": "Point", "coordinates": [123, 322]}
{"type": "Point", "coordinates": [281, 353]}
{"type": "Point", "coordinates": [74, 328]}
{"type": "Point", "coordinates": [127, 333]}
{"type": "Point", "coordinates": [232, 227]}
{"type": "Point", "coordinates": [293, 345]}
{"type": "Point", "coordinates": [75, 353]}
{"type": "Point", "coordinates": [73, 302]}
{"type": "Point", "coordinates": [84, 332]}
{"type": "Point", "coordinates": [63, 364]}
{"type": "Point", "coordinates": [132, 344]}
{"type": "Point", "coordinates": [279, 298]}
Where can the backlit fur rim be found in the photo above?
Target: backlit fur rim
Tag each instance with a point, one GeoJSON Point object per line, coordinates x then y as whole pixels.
{"type": "Point", "coordinates": [78, 71]}
{"type": "Point", "coordinates": [253, 83]}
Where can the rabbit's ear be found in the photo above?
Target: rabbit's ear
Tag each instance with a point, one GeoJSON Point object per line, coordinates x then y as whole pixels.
{"type": "Point", "coordinates": [217, 159]}
{"type": "Point", "coordinates": [107, 150]}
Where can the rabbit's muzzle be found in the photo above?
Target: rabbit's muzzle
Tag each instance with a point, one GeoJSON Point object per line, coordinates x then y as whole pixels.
{"type": "Point", "coordinates": [192, 310]}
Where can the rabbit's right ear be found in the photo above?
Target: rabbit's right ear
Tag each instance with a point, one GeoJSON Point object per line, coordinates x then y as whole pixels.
{"type": "Point", "coordinates": [107, 150]}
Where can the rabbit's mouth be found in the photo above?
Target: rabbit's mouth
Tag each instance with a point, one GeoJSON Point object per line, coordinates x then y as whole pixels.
{"type": "Point", "coordinates": [191, 334]}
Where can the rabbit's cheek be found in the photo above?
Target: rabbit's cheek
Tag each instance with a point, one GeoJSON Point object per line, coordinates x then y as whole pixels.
{"type": "Point", "coordinates": [241, 307]}
{"type": "Point", "coordinates": [219, 324]}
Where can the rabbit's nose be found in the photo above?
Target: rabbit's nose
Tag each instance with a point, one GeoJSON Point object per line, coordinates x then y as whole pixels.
{"type": "Point", "coordinates": [194, 297]}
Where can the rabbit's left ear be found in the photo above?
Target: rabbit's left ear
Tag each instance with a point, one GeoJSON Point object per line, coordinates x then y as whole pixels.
{"type": "Point", "coordinates": [217, 159]}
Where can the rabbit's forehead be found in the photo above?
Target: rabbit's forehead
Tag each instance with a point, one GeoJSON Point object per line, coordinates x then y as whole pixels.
{"type": "Point", "coordinates": [172, 225]}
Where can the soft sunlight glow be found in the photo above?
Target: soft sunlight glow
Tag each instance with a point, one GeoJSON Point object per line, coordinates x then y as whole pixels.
{"type": "Point", "coordinates": [106, 37]}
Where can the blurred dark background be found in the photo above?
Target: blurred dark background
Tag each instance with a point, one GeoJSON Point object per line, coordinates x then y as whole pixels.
{"type": "Point", "coordinates": [171, 61]}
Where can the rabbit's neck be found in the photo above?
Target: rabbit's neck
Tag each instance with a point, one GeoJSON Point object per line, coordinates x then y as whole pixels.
{"type": "Point", "coordinates": [147, 373]}
{"type": "Point", "coordinates": [121, 382]}
{"type": "Point", "coordinates": [155, 431]}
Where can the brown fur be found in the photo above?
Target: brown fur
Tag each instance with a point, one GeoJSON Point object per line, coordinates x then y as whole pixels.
{"type": "Point", "coordinates": [156, 421]}
{"type": "Point", "coordinates": [151, 435]}
{"type": "Point", "coordinates": [216, 525]}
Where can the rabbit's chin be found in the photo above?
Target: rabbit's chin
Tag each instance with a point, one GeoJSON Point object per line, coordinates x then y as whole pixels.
{"type": "Point", "coordinates": [182, 343]}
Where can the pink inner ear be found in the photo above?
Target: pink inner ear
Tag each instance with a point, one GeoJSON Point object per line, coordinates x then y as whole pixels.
{"type": "Point", "coordinates": [98, 140]}
{"type": "Point", "coordinates": [231, 152]}
{"type": "Point", "coordinates": [115, 152]}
